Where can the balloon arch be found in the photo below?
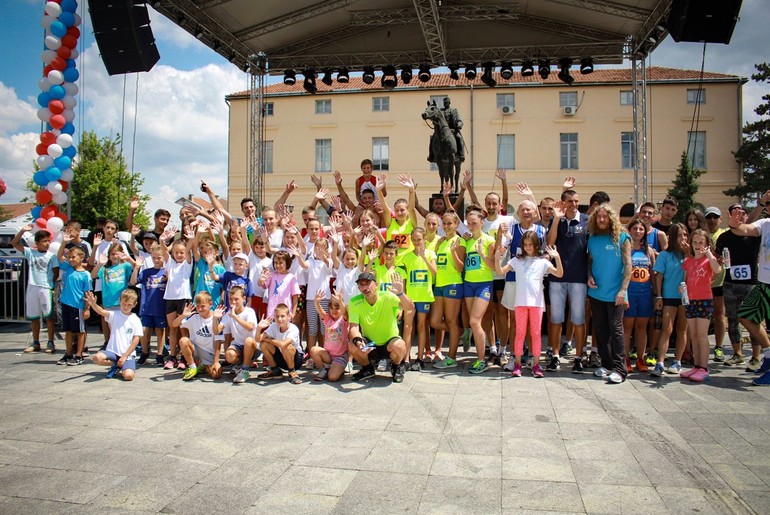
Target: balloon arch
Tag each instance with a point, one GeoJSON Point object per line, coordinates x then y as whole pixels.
{"type": "Point", "coordinates": [56, 152]}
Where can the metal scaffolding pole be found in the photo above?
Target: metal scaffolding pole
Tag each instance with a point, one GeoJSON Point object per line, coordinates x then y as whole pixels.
{"type": "Point", "coordinates": [257, 71]}
{"type": "Point", "coordinates": [639, 84]}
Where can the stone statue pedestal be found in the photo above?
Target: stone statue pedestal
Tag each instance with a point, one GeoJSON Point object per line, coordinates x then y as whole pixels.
{"type": "Point", "coordinates": [452, 198]}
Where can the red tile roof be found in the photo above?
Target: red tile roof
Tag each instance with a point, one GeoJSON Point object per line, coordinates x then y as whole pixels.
{"type": "Point", "coordinates": [14, 210]}
{"type": "Point", "coordinates": [442, 80]}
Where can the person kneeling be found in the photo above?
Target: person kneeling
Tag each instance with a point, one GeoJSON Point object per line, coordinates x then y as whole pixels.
{"type": "Point", "coordinates": [201, 337]}
{"type": "Point", "coordinates": [125, 333]}
{"type": "Point", "coordinates": [239, 325]}
{"type": "Point", "coordinates": [281, 346]}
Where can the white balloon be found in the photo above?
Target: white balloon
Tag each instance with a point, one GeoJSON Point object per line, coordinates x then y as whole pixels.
{"type": "Point", "coordinates": [64, 140]}
{"type": "Point", "coordinates": [54, 224]}
{"type": "Point", "coordinates": [53, 9]}
{"type": "Point", "coordinates": [52, 42]}
{"type": "Point", "coordinates": [67, 175]}
{"type": "Point", "coordinates": [47, 56]}
{"type": "Point", "coordinates": [54, 187]}
{"type": "Point", "coordinates": [54, 247]}
{"type": "Point", "coordinates": [43, 114]}
{"type": "Point", "coordinates": [44, 162]}
{"type": "Point", "coordinates": [43, 84]}
{"type": "Point", "coordinates": [69, 115]}
{"type": "Point", "coordinates": [54, 150]}
{"type": "Point", "coordinates": [69, 102]}
{"type": "Point", "coordinates": [56, 132]}
{"type": "Point", "coordinates": [71, 88]}
{"type": "Point", "coordinates": [77, 20]}
{"type": "Point", "coordinates": [55, 77]}
{"type": "Point", "coordinates": [47, 21]}
{"type": "Point", "coordinates": [74, 54]}
{"type": "Point", "coordinates": [60, 197]}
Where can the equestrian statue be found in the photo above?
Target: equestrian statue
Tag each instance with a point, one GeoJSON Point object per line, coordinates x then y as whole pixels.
{"type": "Point", "coordinates": [447, 147]}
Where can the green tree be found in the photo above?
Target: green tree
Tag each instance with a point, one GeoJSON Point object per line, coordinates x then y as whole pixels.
{"type": "Point", "coordinates": [685, 187]}
{"type": "Point", "coordinates": [754, 152]}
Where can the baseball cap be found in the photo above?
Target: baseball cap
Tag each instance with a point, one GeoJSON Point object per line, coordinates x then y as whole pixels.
{"type": "Point", "coordinates": [366, 276]}
{"type": "Point", "coordinates": [242, 256]}
{"type": "Point", "coordinates": [737, 205]}
{"type": "Point", "coordinates": [149, 236]}
{"type": "Point", "coordinates": [713, 211]}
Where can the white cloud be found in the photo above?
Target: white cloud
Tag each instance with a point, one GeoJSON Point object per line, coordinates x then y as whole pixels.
{"type": "Point", "coordinates": [168, 193]}
{"type": "Point", "coordinates": [13, 111]}
{"type": "Point", "coordinates": [167, 32]}
{"type": "Point", "coordinates": [17, 154]}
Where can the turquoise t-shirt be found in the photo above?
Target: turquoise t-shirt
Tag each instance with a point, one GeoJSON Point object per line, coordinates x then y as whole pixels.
{"type": "Point", "coordinates": [114, 281]}
{"type": "Point", "coordinates": [670, 266]}
{"type": "Point", "coordinates": [606, 266]}
{"type": "Point", "coordinates": [74, 286]}
{"type": "Point", "coordinates": [204, 281]}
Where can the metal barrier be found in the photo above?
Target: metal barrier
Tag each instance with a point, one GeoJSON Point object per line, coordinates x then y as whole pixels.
{"type": "Point", "coordinates": [13, 287]}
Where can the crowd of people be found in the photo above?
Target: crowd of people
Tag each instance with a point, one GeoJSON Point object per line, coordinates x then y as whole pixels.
{"type": "Point", "coordinates": [376, 290]}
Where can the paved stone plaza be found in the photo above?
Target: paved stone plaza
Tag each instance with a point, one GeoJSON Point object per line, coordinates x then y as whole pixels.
{"type": "Point", "coordinates": [72, 441]}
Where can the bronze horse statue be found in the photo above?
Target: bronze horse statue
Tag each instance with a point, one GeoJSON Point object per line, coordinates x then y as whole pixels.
{"type": "Point", "coordinates": [443, 146]}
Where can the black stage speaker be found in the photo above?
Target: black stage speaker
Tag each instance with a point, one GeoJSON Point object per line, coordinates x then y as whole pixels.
{"type": "Point", "coordinates": [712, 21]}
{"type": "Point", "coordinates": [122, 31]}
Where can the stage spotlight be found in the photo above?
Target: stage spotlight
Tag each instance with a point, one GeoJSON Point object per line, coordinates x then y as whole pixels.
{"type": "Point", "coordinates": [368, 76]}
{"type": "Point", "coordinates": [424, 74]}
{"type": "Point", "coordinates": [586, 65]}
{"type": "Point", "coordinates": [453, 71]}
{"type": "Point", "coordinates": [564, 76]}
{"type": "Point", "coordinates": [544, 68]}
{"type": "Point", "coordinates": [527, 68]}
{"type": "Point", "coordinates": [309, 83]}
{"type": "Point", "coordinates": [487, 77]}
{"type": "Point", "coordinates": [506, 70]}
{"type": "Point", "coordinates": [343, 76]}
{"type": "Point", "coordinates": [406, 74]}
{"type": "Point", "coordinates": [289, 77]}
{"type": "Point", "coordinates": [327, 78]}
{"type": "Point", "coordinates": [389, 77]}
{"type": "Point", "coordinates": [470, 71]}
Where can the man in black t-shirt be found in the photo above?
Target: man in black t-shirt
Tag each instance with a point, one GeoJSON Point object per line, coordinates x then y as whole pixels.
{"type": "Point", "coordinates": [668, 211]}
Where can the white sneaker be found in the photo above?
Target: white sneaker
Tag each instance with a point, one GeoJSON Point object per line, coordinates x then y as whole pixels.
{"type": "Point", "coordinates": [601, 372]}
{"type": "Point", "coordinates": [382, 366]}
{"type": "Point", "coordinates": [349, 367]}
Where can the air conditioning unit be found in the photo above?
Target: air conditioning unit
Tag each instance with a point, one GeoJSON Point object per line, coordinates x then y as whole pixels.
{"type": "Point", "coordinates": [569, 110]}
{"type": "Point", "coordinates": [506, 109]}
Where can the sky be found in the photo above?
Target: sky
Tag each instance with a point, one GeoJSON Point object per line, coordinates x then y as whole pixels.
{"type": "Point", "coordinates": [181, 124]}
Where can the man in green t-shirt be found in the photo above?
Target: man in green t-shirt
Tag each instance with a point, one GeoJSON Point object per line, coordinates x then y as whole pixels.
{"type": "Point", "coordinates": [373, 327]}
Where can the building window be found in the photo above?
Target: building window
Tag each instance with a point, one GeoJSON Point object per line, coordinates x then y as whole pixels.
{"type": "Point", "coordinates": [506, 151]}
{"type": "Point", "coordinates": [380, 104]}
{"type": "Point", "coordinates": [380, 152]}
{"type": "Point", "coordinates": [506, 99]}
{"type": "Point", "coordinates": [439, 99]}
{"type": "Point", "coordinates": [323, 106]}
{"type": "Point", "coordinates": [696, 96]}
{"type": "Point", "coordinates": [267, 157]}
{"type": "Point", "coordinates": [696, 149]}
{"type": "Point", "coordinates": [569, 151]}
{"type": "Point", "coordinates": [627, 150]}
{"type": "Point", "coordinates": [568, 98]}
{"type": "Point", "coordinates": [626, 98]}
{"type": "Point", "coordinates": [269, 109]}
{"type": "Point", "coordinates": [323, 155]}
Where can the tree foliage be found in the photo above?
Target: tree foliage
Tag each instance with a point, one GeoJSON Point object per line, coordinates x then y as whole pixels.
{"type": "Point", "coordinates": [685, 187]}
{"type": "Point", "coordinates": [103, 186]}
{"type": "Point", "coordinates": [754, 152]}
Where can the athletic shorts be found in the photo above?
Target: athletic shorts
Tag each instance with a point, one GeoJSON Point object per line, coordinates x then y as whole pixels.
{"type": "Point", "coordinates": [154, 321]}
{"type": "Point", "coordinates": [175, 305]}
{"type": "Point", "coordinates": [280, 362]}
{"type": "Point", "coordinates": [38, 302]}
{"type": "Point", "coordinates": [422, 307]}
{"type": "Point", "coordinates": [481, 290]}
{"type": "Point", "coordinates": [380, 352]}
{"type": "Point", "coordinates": [129, 364]}
{"type": "Point", "coordinates": [72, 319]}
{"type": "Point", "coordinates": [340, 360]}
{"type": "Point", "coordinates": [577, 293]}
{"type": "Point", "coordinates": [509, 295]}
{"type": "Point", "coordinates": [498, 284]}
{"type": "Point", "coordinates": [756, 305]}
{"type": "Point", "coordinates": [718, 291]}
{"type": "Point", "coordinates": [449, 291]}
{"type": "Point", "coordinates": [639, 306]}
{"type": "Point", "coordinates": [700, 308]}
{"type": "Point", "coordinates": [672, 303]}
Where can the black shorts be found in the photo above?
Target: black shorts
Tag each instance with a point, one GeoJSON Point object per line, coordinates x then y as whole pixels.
{"type": "Point", "coordinates": [674, 303]}
{"type": "Point", "coordinates": [280, 362]}
{"type": "Point", "coordinates": [175, 305]}
{"type": "Point", "coordinates": [719, 291]}
{"type": "Point", "coordinates": [380, 352]}
{"type": "Point", "coordinates": [72, 319]}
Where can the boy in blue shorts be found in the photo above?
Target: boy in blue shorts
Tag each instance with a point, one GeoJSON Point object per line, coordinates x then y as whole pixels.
{"type": "Point", "coordinates": [125, 333]}
{"type": "Point", "coordinates": [76, 282]}
{"type": "Point", "coordinates": [152, 282]}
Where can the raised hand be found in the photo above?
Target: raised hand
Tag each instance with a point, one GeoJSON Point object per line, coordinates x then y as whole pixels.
{"type": "Point", "coordinates": [337, 203]}
{"type": "Point", "coordinates": [378, 207]}
{"type": "Point", "coordinates": [406, 181]}
{"type": "Point", "coordinates": [558, 209]}
{"type": "Point", "coordinates": [320, 295]}
{"type": "Point", "coordinates": [90, 298]}
{"type": "Point", "coordinates": [168, 233]}
{"type": "Point", "coordinates": [396, 284]}
{"type": "Point", "coordinates": [367, 241]}
{"type": "Point", "coordinates": [135, 230]}
{"type": "Point", "coordinates": [318, 181]}
{"type": "Point", "coordinates": [265, 322]}
{"type": "Point", "coordinates": [569, 183]}
{"type": "Point", "coordinates": [500, 174]}
{"type": "Point", "coordinates": [219, 312]}
{"type": "Point", "coordinates": [133, 204]}
{"type": "Point", "coordinates": [98, 239]}
{"type": "Point", "coordinates": [551, 251]}
{"type": "Point", "coordinates": [291, 185]}
{"type": "Point", "coordinates": [467, 176]}
{"type": "Point", "coordinates": [381, 181]}
{"type": "Point", "coordinates": [189, 231]}
{"type": "Point", "coordinates": [321, 193]}
{"type": "Point", "coordinates": [523, 189]}
{"type": "Point", "coordinates": [373, 255]}
{"type": "Point", "coordinates": [337, 177]}
{"type": "Point", "coordinates": [103, 259]}
{"type": "Point", "coordinates": [446, 188]}
{"type": "Point", "coordinates": [189, 309]}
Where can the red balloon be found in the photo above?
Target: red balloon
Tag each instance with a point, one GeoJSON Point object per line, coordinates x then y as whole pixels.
{"type": "Point", "coordinates": [73, 31]}
{"type": "Point", "coordinates": [41, 149]}
{"type": "Point", "coordinates": [69, 41]}
{"type": "Point", "coordinates": [63, 217]}
{"type": "Point", "coordinates": [41, 222]}
{"type": "Point", "coordinates": [47, 70]}
{"type": "Point", "coordinates": [43, 197]}
{"type": "Point", "coordinates": [57, 63]}
{"type": "Point", "coordinates": [64, 52]}
{"type": "Point", "coordinates": [48, 212]}
{"type": "Point", "coordinates": [48, 137]}
{"type": "Point", "coordinates": [64, 186]}
{"type": "Point", "coordinates": [56, 107]}
{"type": "Point", "coordinates": [57, 121]}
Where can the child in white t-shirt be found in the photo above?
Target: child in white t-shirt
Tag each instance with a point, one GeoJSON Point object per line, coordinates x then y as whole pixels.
{"type": "Point", "coordinates": [239, 325]}
{"type": "Point", "coordinates": [281, 346]}
{"type": "Point", "coordinates": [125, 333]}
{"type": "Point", "coordinates": [201, 336]}
{"type": "Point", "coordinates": [179, 267]}
{"type": "Point", "coordinates": [319, 271]}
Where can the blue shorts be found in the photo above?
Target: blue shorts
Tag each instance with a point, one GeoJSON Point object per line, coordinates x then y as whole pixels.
{"type": "Point", "coordinates": [639, 306]}
{"type": "Point", "coordinates": [422, 307]}
{"type": "Point", "coordinates": [577, 293]}
{"type": "Point", "coordinates": [154, 321]}
{"type": "Point", "coordinates": [481, 290]}
{"type": "Point", "coordinates": [129, 364]}
{"type": "Point", "coordinates": [449, 291]}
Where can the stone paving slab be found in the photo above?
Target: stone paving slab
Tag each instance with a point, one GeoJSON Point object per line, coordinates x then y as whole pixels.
{"type": "Point", "coordinates": [442, 442]}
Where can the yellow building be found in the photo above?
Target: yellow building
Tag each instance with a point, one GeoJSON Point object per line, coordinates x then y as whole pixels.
{"type": "Point", "coordinates": [539, 131]}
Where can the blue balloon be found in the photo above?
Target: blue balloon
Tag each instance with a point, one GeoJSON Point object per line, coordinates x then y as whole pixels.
{"type": "Point", "coordinates": [43, 99]}
{"type": "Point", "coordinates": [40, 179]}
{"type": "Point", "coordinates": [67, 19]}
{"type": "Point", "coordinates": [57, 92]}
{"type": "Point", "coordinates": [58, 29]}
{"type": "Point", "coordinates": [68, 6]}
{"type": "Point", "coordinates": [71, 63]}
{"type": "Point", "coordinates": [63, 162]}
{"type": "Point", "coordinates": [52, 174]}
{"type": "Point", "coordinates": [69, 152]}
{"type": "Point", "coordinates": [68, 128]}
{"type": "Point", "coordinates": [36, 212]}
{"type": "Point", "coordinates": [71, 75]}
